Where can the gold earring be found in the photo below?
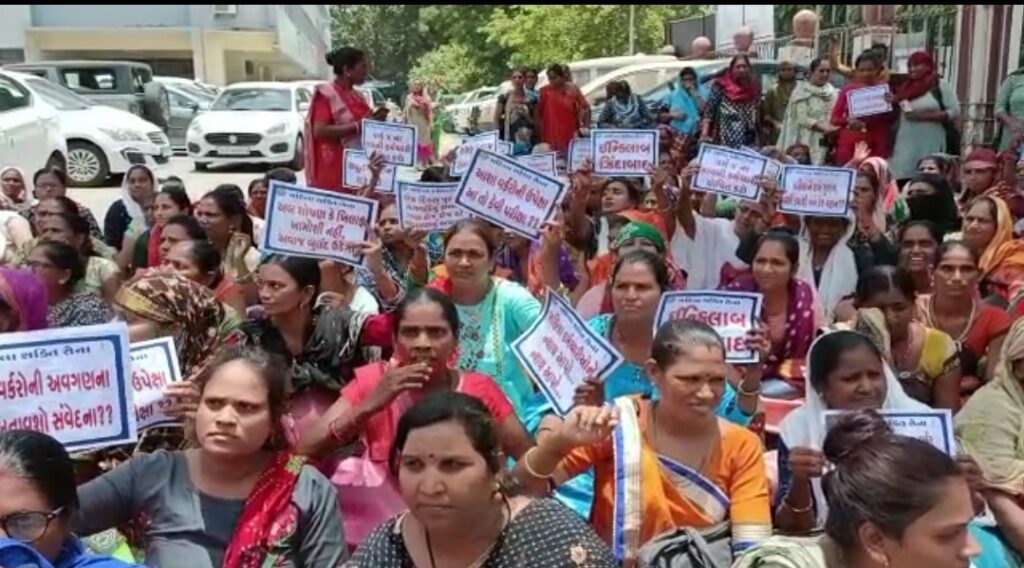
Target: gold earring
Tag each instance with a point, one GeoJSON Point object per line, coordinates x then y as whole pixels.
{"type": "Point", "coordinates": [498, 495]}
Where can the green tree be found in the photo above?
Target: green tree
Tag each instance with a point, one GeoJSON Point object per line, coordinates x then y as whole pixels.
{"type": "Point", "coordinates": [391, 35]}
{"type": "Point", "coordinates": [453, 67]}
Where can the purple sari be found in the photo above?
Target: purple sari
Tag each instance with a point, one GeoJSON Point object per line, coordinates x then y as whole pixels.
{"type": "Point", "coordinates": [25, 296]}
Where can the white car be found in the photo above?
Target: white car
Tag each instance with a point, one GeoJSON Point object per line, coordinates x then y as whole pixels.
{"type": "Point", "coordinates": [30, 136]}
{"type": "Point", "coordinates": [102, 141]}
{"type": "Point", "coordinates": [251, 123]}
{"type": "Point", "coordinates": [480, 101]}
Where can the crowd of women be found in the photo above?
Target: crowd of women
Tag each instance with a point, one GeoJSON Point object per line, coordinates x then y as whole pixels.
{"type": "Point", "coordinates": [377, 416]}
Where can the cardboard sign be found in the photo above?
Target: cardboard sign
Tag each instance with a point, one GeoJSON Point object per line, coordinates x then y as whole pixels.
{"type": "Point", "coordinates": [509, 194]}
{"type": "Point", "coordinates": [395, 142]}
{"type": "Point", "coordinates": [729, 172]}
{"type": "Point", "coordinates": [356, 172]}
{"type": "Point", "coordinates": [154, 366]}
{"type": "Point", "coordinates": [428, 206]}
{"type": "Point", "coordinates": [543, 163]}
{"type": "Point", "coordinates": [560, 352]}
{"type": "Point", "coordinates": [624, 152]}
{"type": "Point", "coordinates": [732, 314]}
{"type": "Point", "coordinates": [316, 224]}
{"type": "Point", "coordinates": [580, 150]}
{"type": "Point", "coordinates": [467, 150]}
{"type": "Point", "coordinates": [504, 148]}
{"type": "Point", "coordinates": [868, 101]}
{"type": "Point", "coordinates": [70, 383]}
{"type": "Point", "coordinates": [934, 426]}
{"type": "Point", "coordinates": [816, 190]}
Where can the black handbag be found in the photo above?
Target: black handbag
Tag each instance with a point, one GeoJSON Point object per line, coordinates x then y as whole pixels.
{"type": "Point", "coordinates": [953, 138]}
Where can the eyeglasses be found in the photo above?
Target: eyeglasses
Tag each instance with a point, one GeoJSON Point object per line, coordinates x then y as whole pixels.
{"type": "Point", "coordinates": [28, 526]}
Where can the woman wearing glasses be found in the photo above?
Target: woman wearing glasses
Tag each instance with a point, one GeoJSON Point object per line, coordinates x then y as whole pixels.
{"type": "Point", "coordinates": [37, 482]}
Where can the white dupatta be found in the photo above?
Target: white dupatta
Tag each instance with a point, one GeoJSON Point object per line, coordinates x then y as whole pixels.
{"type": "Point", "coordinates": [838, 275]}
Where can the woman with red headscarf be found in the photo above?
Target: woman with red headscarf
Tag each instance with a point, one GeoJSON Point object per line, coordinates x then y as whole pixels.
{"type": "Point", "coordinates": [335, 119]}
{"type": "Point", "coordinates": [982, 175]}
{"type": "Point", "coordinates": [732, 115]}
{"type": "Point", "coordinates": [928, 106]}
{"type": "Point", "coordinates": [872, 130]}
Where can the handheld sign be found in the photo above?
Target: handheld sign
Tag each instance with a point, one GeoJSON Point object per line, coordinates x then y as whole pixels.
{"type": "Point", "coordinates": [70, 383]}
{"type": "Point", "coordinates": [729, 172]}
{"type": "Point", "coordinates": [623, 152]}
{"type": "Point", "coordinates": [868, 101]}
{"type": "Point", "coordinates": [580, 149]}
{"type": "Point", "coordinates": [465, 152]}
{"type": "Point", "coordinates": [731, 314]}
{"type": "Point", "coordinates": [316, 224]}
{"type": "Point", "coordinates": [356, 172]}
{"type": "Point", "coordinates": [154, 366]}
{"type": "Point", "coordinates": [543, 163]}
{"type": "Point", "coordinates": [816, 190]}
{"type": "Point", "coordinates": [504, 148]}
{"type": "Point", "coordinates": [560, 352]}
{"type": "Point", "coordinates": [396, 143]}
{"type": "Point", "coordinates": [509, 194]}
{"type": "Point", "coordinates": [773, 169]}
{"type": "Point", "coordinates": [428, 206]}
{"type": "Point", "coordinates": [934, 426]}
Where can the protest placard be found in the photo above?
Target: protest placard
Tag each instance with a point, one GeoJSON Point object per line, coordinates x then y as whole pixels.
{"type": "Point", "coordinates": [729, 172]}
{"type": "Point", "coordinates": [773, 169]}
{"type": "Point", "coordinates": [154, 365]}
{"type": "Point", "coordinates": [816, 190]}
{"type": "Point", "coordinates": [356, 172]}
{"type": "Point", "coordinates": [868, 101]}
{"type": "Point", "coordinates": [543, 163]}
{"type": "Point", "coordinates": [623, 152]}
{"type": "Point", "coordinates": [732, 314]}
{"type": "Point", "coordinates": [934, 426]}
{"type": "Point", "coordinates": [560, 352]}
{"type": "Point", "coordinates": [504, 148]}
{"type": "Point", "coordinates": [395, 142]}
{"type": "Point", "coordinates": [509, 194]}
{"type": "Point", "coordinates": [70, 383]}
{"type": "Point", "coordinates": [580, 150]}
{"type": "Point", "coordinates": [316, 224]}
{"type": "Point", "coordinates": [428, 206]}
{"type": "Point", "coordinates": [465, 151]}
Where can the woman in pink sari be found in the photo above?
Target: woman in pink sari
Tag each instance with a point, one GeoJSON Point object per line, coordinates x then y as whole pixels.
{"type": "Point", "coordinates": [419, 112]}
{"type": "Point", "coordinates": [335, 118]}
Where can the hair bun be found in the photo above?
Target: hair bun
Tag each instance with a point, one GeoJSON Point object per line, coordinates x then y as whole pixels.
{"type": "Point", "coordinates": [852, 432]}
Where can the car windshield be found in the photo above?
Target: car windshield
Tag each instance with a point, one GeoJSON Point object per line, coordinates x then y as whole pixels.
{"type": "Point", "coordinates": [57, 96]}
{"type": "Point", "coordinates": [195, 91]}
{"type": "Point", "coordinates": [254, 99]}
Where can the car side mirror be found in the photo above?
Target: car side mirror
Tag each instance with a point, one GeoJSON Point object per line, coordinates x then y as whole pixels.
{"type": "Point", "coordinates": [193, 106]}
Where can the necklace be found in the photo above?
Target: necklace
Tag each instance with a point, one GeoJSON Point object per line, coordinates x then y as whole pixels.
{"type": "Point", "coordinates": [505, 514]}
{"type": "Point", "coordinates": [933, 320]}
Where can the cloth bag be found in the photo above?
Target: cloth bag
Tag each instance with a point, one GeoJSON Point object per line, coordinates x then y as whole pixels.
{"type": "Point", "coordinates": [687, 547]}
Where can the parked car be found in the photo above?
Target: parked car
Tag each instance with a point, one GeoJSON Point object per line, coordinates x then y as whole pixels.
{"type": "Point", "coordinates": [193, 86]}
{"type": "Point", "coordinates": [126, 85]}
{"type": "Point", "coordinates": [102, 141]}
{"type": "Point", "coordinates": [471, 113]}
{"type": "Point", "coordinates": [186, 104]}
{"type": "Point", "coordinates": [30, 136]}
{"type": "Point", "coordinates": [251, 123]}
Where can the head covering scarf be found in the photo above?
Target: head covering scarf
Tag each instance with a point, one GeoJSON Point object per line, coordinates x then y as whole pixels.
{"type": "Point", "coordinates": [990, 427]}
{"type": "Point", "coordinates": [996, 251]}
{"type": "Point", "coordinates": [25, 296]}
{"type": "Point", "coordinates": [940, 208]}
{"type": "Point", "coordinates": [640, 230]}
{"type": "Point", "coordinates": [805, 426]}
{"type": "Point", "coordinates": [170, 299]}
{"type": "Point", "coordinates": [130, 205]}
{"type": "Point", "coordinates": [20, 198]}
{"type": "Point", "coordinates": [838, 275]}
{"type": "Point", "coordinates": [911, 89]}
{"type": "Point", "coordinates": [888, 190]}
{"type": "Point", "coordinates": [734, 90]}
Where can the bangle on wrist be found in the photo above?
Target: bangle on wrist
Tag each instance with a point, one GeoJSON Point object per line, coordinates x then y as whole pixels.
{"type": "Point", "coordinates": [529, 469]}
{"type": "Point", "coordinates": [796, 511]}
{"type": "Point", "coordinates": [742, 392]}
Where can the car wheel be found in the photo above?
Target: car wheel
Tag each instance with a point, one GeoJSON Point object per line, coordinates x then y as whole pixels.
{"type": "Point", "coordinates": [87, 165]}
{"type": "Point", "coordinates": [202, 166]}
{"type": "Point", "coordinates": [156, 104]}
{"type": "Point", "coordinates": [299, 158]}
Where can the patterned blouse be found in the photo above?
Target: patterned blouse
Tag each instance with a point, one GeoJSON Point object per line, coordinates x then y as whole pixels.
{"type": "Point", "coordinates": [81, 308]}
{"type": "Point", "coordinates": [735, 124]}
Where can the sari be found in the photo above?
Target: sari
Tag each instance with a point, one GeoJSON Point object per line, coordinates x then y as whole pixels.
{"type": "Point", "coordinates": [560, 111]}
{"type": "Point", "coordinates": [1002, 261]}
{"type": "Point", "coordinates": [838, 278]}
{"type": "Point", "coordinates": [335, 105]}
{"type": "Point", "coordinates": [24, 295]}
{"type": "Point", "coordinates": [263, 533]}
{"type": "Point", "coordinates": [640, 494]}
{"type": "Point", "coordinates": [876, 132]}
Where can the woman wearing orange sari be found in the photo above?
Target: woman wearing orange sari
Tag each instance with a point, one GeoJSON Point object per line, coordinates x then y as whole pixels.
{"type": "Point", "coordinates": [664, 464]}
{"type": "Point", "coordinates": [335, 118]}
{"type": "Point", "coordinates": [988, 227]}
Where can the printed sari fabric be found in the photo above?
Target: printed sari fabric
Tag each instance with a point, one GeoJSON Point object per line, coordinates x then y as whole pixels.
{"type": "Point", "coordinates": [269, 519]}
{"type": "Point", "coordinates": [640, 494]}
{"type": "Point", "coordinates": [335, 105]}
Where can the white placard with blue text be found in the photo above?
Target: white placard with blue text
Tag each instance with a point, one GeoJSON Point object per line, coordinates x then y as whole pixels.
{"type": "Point", "coordinates": [732, 314]}
{"type": "Point", "coordinates": [934, 426]}
{"type": "Point", "coordinates": [154, 366]}
{"type": "Point", "coordinates": [465, 152]}
{"type": "Point", "coordinates": [71, 383]}
{"type": "Point", "coordinates": [356, 172]}
{"type": "Point", "coordinates": [580, 150]}
{"type": "Point", "coordinates": [618, 152]}
{"type": "Point", "coordinates": [560, 352]}
{"type": "Point", "coordinates": [428, 206]}
{"type": "Point", "coordinates": [543, 163]}
{"type": "Point", "coordinates": [509, 194]}
{"type": "Point", "coordinates": [504, 148]}
{"type": "Point", "coordinates": [820, 191]}
{"type": "Point", "coordinates": [729, 172]}
{"type": "Point", "coordinates": [395, 142]}
{"type": "Point", "coordinates": [868, 101]}
{"type": "Point", "coordinates": [317, 224]}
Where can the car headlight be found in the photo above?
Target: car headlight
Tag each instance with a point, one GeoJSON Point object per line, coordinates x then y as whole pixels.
{"type": "Point", "coordinates": [277, 128]}
{"type": "Point", "coordinates": [123, 134]}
